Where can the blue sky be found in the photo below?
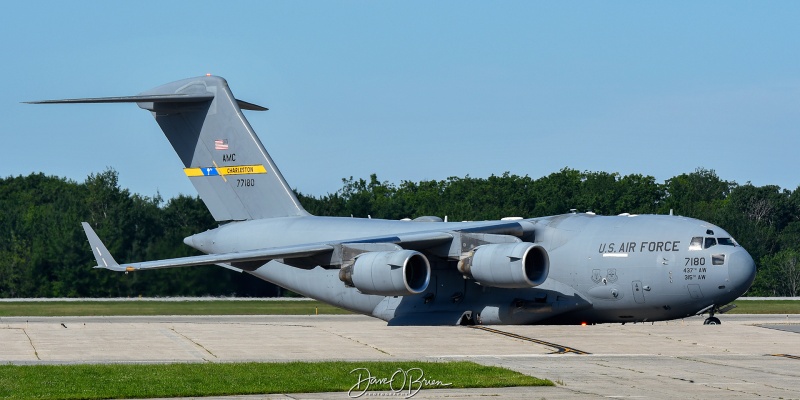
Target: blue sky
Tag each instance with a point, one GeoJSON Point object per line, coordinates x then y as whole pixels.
{"type": "Point", "coordinates": [414, 90]}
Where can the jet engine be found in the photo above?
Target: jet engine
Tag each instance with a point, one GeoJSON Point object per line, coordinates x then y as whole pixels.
{"type": "Point", "coordinates": [507, 265]}
{"type": "Point", "coordinates": [388, 273]}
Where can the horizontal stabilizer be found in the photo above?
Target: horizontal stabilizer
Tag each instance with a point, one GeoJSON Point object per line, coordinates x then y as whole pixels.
{"type": "Point", "coordinates": [250, 106]}
{"type": "Point", "coordinates": [156, 98]}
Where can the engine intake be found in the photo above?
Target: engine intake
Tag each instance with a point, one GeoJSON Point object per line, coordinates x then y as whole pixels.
{"type": "Point", "coordinates": [507, 265]}
{"type": "Point", "coordinates": [388, 273]}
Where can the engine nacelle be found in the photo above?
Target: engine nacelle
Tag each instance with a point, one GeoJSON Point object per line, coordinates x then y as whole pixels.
{"type": "Point", "coordinates": [389, 273]}
{"type": "Point", "coordinates": [507, 265]}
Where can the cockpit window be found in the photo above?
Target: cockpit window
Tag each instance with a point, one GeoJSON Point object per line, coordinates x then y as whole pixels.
{"type": "Point", "coordinates": [699, 242]}
{"type": "Point", "coordinates": [696, 244]}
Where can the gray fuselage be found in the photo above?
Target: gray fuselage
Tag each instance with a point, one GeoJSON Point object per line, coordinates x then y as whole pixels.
{"type": "Point", "coordinates": [602, 269]}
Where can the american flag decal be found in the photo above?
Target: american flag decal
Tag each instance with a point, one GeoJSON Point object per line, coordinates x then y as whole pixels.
{"type": "Point", "coordinates": [221, 144]}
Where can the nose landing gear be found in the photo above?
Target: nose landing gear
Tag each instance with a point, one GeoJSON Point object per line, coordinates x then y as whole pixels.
{"type": "Point", "coordinates": [713, 309]}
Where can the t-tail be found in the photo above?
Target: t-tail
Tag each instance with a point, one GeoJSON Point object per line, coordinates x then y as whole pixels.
{"type": "Point", "coordinates": [222, 156]}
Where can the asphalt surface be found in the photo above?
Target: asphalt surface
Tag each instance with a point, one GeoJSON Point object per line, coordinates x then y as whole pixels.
{"type": "Point", "coordinates": [748, 356]}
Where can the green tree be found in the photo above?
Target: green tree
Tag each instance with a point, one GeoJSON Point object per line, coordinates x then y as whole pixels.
{"type": "Point", "coordinates": [779, 274]}
{"type": "Point", "coordinates": [699, 194]}
{"type": "Point", "coordinates": [44, 251]}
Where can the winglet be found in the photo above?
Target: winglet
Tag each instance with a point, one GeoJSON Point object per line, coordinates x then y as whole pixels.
{"type": "Point", "coordinates": [101, 254]}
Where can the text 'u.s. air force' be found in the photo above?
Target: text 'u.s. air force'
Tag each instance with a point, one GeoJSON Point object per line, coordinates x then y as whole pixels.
{"type": "Point", "coordinates": [638, 247]}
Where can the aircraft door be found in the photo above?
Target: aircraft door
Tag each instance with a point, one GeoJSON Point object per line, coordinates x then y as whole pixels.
{"type": "Point", "coordinates": [695, 292]}
{"type": "Point", "coordinates": [666, 280]}
{"type": "Point", "coordinates": [638, 291]}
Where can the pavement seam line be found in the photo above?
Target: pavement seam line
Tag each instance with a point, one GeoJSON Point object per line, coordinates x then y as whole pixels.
{"type": "Point", "coordinates": [195, 343]}
{"type": "Point", "coordinates": [36, 353]}
{"type": "Point", "coordinates": [786, 356]}
{"type": "Point", "coordinates": [361, 343]}
{"type": "Point", "coordinates": [710, 362]}
{"type": "Point", "coordinates": [731, 366]}
{"type": "Point", "coordinates": [559, 348]}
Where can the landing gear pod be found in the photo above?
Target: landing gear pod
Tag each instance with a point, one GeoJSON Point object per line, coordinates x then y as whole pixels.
{"type": "Point", "coordinates": [507, 265]}
{"type": "Point", "coordinates": [389, 273]}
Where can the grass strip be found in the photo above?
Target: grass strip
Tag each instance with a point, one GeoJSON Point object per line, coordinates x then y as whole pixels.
{"type": "Point", "coordinates": [766, 307]}
{"type": "Point", "coordinates": [113, 308]}
{"type": "Point", "coordinates": [104, 381]}
{"type": "Point", "coordinates": [222, 307]}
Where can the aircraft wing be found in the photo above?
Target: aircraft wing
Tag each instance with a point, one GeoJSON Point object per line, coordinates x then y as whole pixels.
{"type": "Point", "coordinates": [229, 260]}
{"type": "Point", "coordinates": [105, 260]}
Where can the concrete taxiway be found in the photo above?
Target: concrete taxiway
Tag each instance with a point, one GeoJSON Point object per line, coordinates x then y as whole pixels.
{"type": "Point", "coordinates": [747, 357]}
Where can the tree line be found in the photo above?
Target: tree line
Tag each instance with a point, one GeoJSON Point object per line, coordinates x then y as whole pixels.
{"type": "Point", "coordinates": [44, 253]}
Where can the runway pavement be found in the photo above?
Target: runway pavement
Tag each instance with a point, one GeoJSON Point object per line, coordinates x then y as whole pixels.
{"type": "Point", "coordinates": [746, 357]}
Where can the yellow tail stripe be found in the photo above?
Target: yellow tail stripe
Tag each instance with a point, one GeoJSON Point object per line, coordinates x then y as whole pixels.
{"type": "Point", "coordinates": [228, 170]}
{"type": "Point", "coordinates": [193, 172]}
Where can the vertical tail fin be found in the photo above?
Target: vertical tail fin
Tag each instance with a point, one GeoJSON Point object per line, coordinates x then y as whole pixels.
{"type": "Point", "coordinates": [222, 156]}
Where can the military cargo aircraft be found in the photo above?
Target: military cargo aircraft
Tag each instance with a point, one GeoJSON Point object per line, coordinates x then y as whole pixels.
{"type": "Point", "coordinates": [565, 269]}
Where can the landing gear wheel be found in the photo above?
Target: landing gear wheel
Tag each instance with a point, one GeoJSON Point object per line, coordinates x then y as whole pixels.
{"type": "Point", "coordinates": [712, 321]}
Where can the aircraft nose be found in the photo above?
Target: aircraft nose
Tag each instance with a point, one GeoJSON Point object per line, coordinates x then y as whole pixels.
{"type": "Point", "coordinates": [741, 270]}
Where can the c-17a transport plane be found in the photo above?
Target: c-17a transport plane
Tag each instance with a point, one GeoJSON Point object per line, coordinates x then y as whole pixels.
{"type": "Point", "coordinates": [564, 269]}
